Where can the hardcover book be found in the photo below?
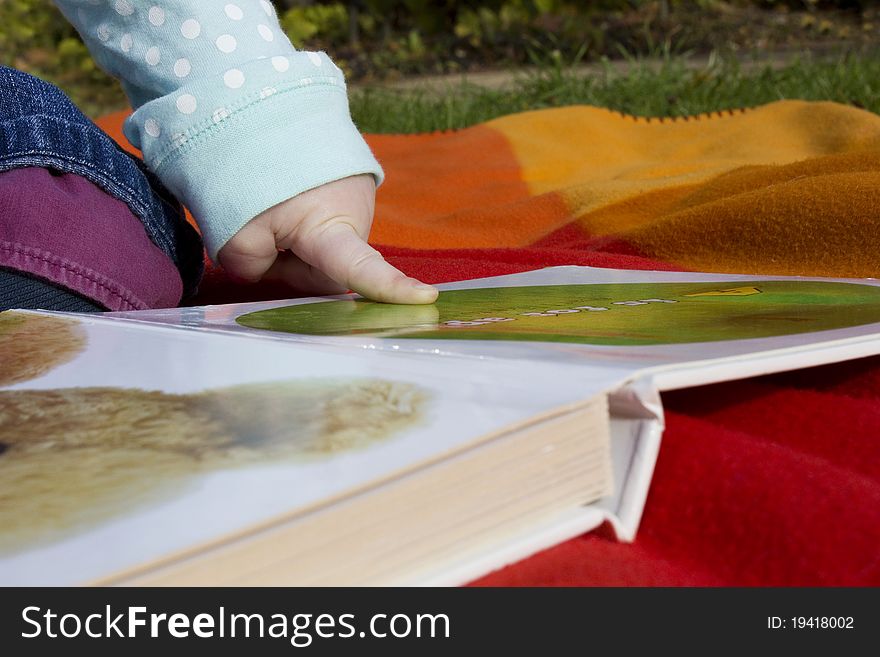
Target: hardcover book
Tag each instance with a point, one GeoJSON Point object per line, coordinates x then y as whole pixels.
{"type": "Point", "coordinates": [342, 441]}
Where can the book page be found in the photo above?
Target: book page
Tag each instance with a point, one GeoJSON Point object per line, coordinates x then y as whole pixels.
{"type": "Point", "coordinates": [122, 443]}
{"type": "Point", "coordinates": [682, 328]}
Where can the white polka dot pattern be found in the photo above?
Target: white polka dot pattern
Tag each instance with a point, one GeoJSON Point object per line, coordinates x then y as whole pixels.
{"type": "Point", "coordinates": [191, 28]}
{"type": "Point", "coordinates": [186, 104]}
{"type": "Point", "coordinates": [226, 43]}
{"type": "Point", "coordinates": [156, 16]}
{"type": "Point", "coordinates": [265, 32]}
{"type": "Point", "coordinates": [203, 77]}
{"type": "Point", "coordinates": [233, 78]}
{"type": "Point", "coordinates": [182, 67]}
{"type": "Point", "coordinates": [124, 7]}
{"type": "Point", "coordinates": [152, 127]}
{"type": "Point", "coordinates": [153, 56]}
{"type": "Point", "coordinates": [189, 63]}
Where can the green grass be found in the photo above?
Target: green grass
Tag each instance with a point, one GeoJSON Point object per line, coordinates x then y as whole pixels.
{"type": "Point", "coordinates": [669, 88]}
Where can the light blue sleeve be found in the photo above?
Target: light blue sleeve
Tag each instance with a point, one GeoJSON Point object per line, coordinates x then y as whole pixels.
{"type": "Point", "coordinates": [227, 113]}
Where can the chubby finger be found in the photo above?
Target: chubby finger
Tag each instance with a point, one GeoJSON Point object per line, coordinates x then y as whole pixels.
{"type": "Point", "coordinates": [344, 256]}
{"type": "Point", "coordinates": [302, 277]}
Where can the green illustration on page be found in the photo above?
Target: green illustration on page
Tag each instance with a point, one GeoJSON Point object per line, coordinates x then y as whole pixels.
{"type": "Point", "coordinates": [620, 314]}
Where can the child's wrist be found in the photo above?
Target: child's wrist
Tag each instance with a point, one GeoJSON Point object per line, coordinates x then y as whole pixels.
{"type": "Point", "coordinates": [268, 153]}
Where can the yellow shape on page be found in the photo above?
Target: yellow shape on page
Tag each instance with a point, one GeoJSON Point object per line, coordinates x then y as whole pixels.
{"type": "Point", "coordinates": [730, 292]}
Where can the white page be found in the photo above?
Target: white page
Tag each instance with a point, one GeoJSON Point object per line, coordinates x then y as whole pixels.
{"type": "Point", "coordinates": [459, 402]}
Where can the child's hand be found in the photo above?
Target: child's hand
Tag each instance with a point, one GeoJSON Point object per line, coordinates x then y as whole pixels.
{"type": "Point", "coordinates": [316, 242]}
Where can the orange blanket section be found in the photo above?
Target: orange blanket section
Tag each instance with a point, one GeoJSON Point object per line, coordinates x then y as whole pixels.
{"type": "Point", "coordinates": [792, 187]}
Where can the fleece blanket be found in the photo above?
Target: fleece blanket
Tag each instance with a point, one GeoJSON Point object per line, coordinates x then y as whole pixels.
{"type": "Point", "coordinates": [767, 481]}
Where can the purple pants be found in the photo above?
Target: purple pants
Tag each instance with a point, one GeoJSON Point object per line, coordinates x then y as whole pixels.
{"type": "Point", "coordinates": [64, 230]}
{"type": "Point", "coordinates": [83, 225]}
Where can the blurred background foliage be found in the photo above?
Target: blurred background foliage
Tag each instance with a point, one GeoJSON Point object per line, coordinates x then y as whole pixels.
{"type": "Point", "coordinates": [380, 40]}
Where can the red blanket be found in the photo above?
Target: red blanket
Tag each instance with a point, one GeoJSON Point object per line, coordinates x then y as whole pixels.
{"type": "Point", "coordinates": [770, 481]}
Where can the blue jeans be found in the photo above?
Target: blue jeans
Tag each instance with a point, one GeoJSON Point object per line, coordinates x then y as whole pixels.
{"type": "Point", "coordinates": [41, 127]}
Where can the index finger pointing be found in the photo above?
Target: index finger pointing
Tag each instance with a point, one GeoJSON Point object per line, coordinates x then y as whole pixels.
{"type": "Point", "coordinates": [344, 256]}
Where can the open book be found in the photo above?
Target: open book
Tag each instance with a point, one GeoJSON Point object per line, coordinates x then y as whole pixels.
{"type": "Point", "coordinates": [342, 441]}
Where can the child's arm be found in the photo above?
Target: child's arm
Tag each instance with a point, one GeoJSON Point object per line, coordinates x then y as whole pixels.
{"type": "Point", "coordinates": [254, 137]}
